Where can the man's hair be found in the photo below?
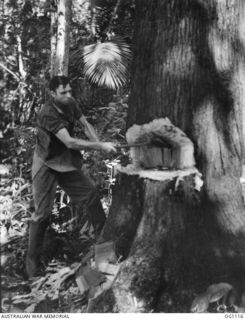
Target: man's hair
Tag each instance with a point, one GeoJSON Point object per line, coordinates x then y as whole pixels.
{"type": "Point", "coordinates": [58, 80]}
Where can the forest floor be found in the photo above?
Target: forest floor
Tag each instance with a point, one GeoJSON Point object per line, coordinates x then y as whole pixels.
{"type": "Point", "coordinates": [70, 279]}
{"type": "Point", "coordinates": [69, 253]}
{"type": "Point", "coordinates": [68, 246]}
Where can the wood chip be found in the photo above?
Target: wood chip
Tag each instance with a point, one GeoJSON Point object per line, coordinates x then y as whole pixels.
{"type": "Point", "coordinates": [94, 277]}
{"type": "Point", "coordinates": [104, 254]}
{"type": "Point", "coordinates": [82, 284]}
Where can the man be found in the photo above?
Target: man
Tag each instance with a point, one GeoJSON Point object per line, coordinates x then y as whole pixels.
{"type": "Point", "coordinates": [57, 160]}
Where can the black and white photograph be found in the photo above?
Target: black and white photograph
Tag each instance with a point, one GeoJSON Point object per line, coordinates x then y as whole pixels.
{"type": "Point", "coordinates": [122, 159]}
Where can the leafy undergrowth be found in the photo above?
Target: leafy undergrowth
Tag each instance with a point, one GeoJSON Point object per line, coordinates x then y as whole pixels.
{"type": "Point", "coordinates": [65, 245]}
{"type": "Point", "coordinates": [68, 247]}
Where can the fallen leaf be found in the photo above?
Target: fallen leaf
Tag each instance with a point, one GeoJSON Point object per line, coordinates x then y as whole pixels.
{"type": "Point", "coordinates": [218, 290]}
{"type": "Point", "coordinates": [82, 284]}
{"type": "Point", "coordinates": [200, 303]}
{"type": "Point", "coordinates": [94, 277]}
{"type": "Point", "coordinates": [104, 254]}
{"type": "Point", "coordinates": [4, 171]}
{"type": "Point", "coordinates": [213, 294]}
{"type": "Point", "coordinates": [31, 308]}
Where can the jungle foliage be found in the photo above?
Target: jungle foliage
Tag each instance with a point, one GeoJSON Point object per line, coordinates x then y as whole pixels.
{"type": "Point", "coordinates": [24, 75]}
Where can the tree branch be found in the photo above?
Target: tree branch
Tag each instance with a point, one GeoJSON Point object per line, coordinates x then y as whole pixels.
{"type": "Point", "coordinates": [9, 71]}
{"type": "Point", "coordinates": [20, 59]}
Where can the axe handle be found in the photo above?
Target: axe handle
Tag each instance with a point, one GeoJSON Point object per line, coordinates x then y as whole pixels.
{"type": "Point", "coordinates": [132, 145]}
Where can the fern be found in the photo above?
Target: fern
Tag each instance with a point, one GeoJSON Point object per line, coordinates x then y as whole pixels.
{"type": "Point", "coordinates": [106, 63]}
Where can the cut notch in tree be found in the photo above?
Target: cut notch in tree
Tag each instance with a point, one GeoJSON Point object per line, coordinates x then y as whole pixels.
{"type": "Point", "coordinates": [168, 145]}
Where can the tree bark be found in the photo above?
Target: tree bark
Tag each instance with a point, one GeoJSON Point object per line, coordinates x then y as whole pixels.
{"type": "Point", "coordinates": [154, 223]}
{"type": "Point", "coordinates": [63, 37]}
{"type": "Point", "coordinates": [188, 66]}
{"type": "Point", "coordinates": [53, 42]}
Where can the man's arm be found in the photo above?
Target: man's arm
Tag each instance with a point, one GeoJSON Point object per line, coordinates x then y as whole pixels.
{"type": "Point", "coordinates": [80, 144]}
{"type": "Point", "coordinates": [89, 129]}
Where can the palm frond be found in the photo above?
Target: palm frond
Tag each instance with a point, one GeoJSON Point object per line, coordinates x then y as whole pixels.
{"type": "Point", "coordinates": [106, 63]}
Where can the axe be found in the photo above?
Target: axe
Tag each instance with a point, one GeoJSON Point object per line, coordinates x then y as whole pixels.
{"type": "Point", "coordinates": [154, 142]}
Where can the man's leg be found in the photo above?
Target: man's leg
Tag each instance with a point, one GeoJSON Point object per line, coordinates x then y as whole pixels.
{"type": "Point", "coordinates": [44, 187]}
{"type": "Point", "coordinates": [81, 189]}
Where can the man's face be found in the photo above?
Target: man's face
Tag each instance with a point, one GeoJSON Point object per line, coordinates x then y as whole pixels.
{"type": "Point", "coordinates": [62, 94]}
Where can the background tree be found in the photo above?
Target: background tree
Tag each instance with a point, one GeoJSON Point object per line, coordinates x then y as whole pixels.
{"type": "Point", "coordinates": [60, 40]}
{"type": "Point", "coordinates": [35, 24]}
{"type": "Point", "coordinates": [205, 63]}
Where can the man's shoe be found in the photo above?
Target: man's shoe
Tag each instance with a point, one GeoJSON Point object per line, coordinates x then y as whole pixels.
{"type": "Point", "coordinates": [36, 236]}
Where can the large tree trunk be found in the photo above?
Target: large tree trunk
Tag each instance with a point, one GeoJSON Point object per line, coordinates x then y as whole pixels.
{"type": "Point", "coordinates": [153, 221]}
{"type": "Point", "coordinates": [188, 66]}
{"type": "Point", "coordinates": [192, 71]}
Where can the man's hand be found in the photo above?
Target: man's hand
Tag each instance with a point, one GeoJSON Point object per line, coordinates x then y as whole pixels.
{"type": "Point", "coordinates": [108, 147]}
{"type": "Point", "coordinates": [80, 144]}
